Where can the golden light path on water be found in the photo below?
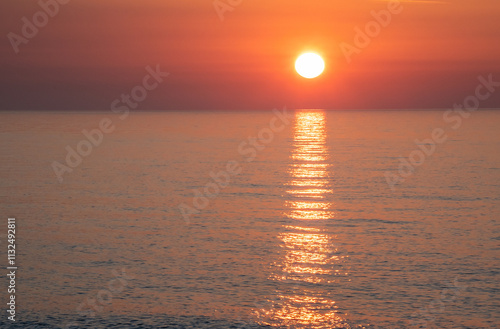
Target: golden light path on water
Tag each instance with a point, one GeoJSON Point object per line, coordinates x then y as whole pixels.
{"type": "Point", "coordinates": [310, 254]}
{"type": "Point", "coordinates": [309, 173]}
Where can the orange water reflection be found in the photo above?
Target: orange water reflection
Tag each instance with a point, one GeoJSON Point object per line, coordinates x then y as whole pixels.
{"type": "Point", "coordinates": [307, 271]}
{"type": "Point", "coordinates": [309, 171]}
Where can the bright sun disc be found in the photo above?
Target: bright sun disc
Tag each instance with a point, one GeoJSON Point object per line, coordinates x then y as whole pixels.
{"type": "Point", "coordinates": [309, 65]}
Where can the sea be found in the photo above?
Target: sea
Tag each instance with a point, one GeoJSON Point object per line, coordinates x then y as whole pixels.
{"type": "Point", "coordinates": [250, 219]}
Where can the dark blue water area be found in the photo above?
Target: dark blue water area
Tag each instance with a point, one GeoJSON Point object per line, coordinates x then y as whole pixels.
{"type": "Point", "coordinates": [180, 322]}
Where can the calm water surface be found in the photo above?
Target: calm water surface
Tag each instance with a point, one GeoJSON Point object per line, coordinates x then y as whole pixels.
{"type": "Point", "coordinates": [308, 234]}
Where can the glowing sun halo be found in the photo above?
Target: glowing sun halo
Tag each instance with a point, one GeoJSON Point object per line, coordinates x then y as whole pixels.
{"type": "Point", "coordinates": [309, 65]}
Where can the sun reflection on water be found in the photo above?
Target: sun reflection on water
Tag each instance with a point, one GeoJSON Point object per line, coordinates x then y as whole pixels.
{"type": "Point", "coordinates": [311, 262]}
{"type": "Point", "coordinates": [309, 170]}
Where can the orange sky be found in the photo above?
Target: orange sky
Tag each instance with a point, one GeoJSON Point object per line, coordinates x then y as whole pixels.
{"type": "Point", "coordinates": [429, 55]}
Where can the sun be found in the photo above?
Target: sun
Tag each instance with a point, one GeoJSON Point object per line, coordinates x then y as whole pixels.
{"type": "Point", "coordinates": [309, 65]}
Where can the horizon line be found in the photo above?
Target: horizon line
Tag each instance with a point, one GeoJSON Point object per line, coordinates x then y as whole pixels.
{"type": "Point", "coordinates": [248, 110]}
